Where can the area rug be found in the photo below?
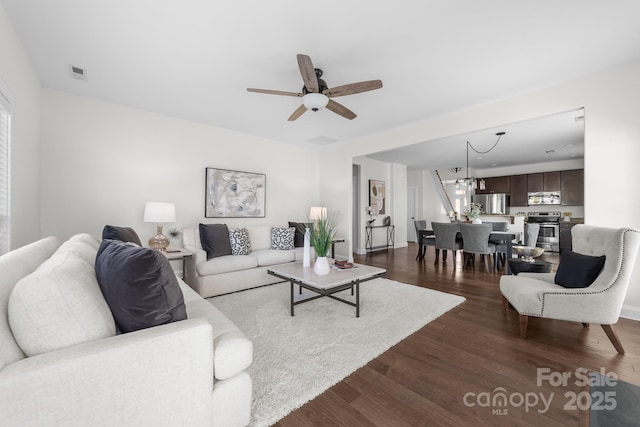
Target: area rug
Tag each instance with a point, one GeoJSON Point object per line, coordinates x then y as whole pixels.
{"type": "Point", "coordinates": [297, 358]}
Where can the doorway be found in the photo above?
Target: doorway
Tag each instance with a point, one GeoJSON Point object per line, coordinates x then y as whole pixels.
{"type": "Point", "coordinates": [412, 213]}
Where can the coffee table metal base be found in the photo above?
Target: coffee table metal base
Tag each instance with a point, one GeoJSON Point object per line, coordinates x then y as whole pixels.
{"type": "Point", "coordinates": [354, 285]}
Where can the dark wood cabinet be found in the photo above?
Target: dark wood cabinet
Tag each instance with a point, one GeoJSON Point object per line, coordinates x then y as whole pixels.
{"type": "Point", "coordinates": [565, 235]}
{"type": "Point", "coordinates": [547, 181]}
{"type": "Point", "coordinates": [496, 184]}
{"type": "Point", "coordinates": [572, 182]}
{"type": "Point", "coordinates": [518, 192]}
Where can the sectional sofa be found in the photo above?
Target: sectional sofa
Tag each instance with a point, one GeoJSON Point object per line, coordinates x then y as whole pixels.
{"type": "Point", "coordinates": [62, 362]}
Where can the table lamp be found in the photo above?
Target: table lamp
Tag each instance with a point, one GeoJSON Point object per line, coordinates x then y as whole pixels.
{"type": "Point", "coordinates": [159, 212]}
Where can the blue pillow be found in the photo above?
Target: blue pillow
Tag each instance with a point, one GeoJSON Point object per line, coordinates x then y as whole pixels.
{"type": "Point", "coordinates": [578, 271]}
{"type": "Point", "coordinates": [139, 286]}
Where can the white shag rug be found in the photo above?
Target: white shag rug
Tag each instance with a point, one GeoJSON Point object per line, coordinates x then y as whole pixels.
{"type": "Point", "coordinates": [297, 358]}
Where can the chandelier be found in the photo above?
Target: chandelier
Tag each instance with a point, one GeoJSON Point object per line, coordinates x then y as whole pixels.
{"type": "Point", "coordinates": [471, 183]}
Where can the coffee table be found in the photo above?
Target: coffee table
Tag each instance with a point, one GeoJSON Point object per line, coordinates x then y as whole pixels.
{"type": "Point", "coordinates": [325, 286]}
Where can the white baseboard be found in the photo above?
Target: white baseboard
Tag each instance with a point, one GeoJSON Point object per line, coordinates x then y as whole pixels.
{"type": "Point", "coordinates": [629, 312]}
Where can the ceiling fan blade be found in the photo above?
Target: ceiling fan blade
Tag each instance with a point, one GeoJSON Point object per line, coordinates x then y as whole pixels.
{"type": "Point", "coordinates": [299, 111]}
{"type": "Point", "coordinates": [273, 92]}
{"type": "Point", "coordinates": [308, 73]}
{"type": "Point", "coordinates": [341, 110]}
{"type": "Point", "coordinates": [353, 88]}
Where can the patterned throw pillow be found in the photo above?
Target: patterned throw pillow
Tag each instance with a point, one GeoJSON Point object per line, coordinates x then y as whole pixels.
{"type": "Point", "coordinates": [282, 238]}
{"type": "Point", "coordinates": [240, 243]}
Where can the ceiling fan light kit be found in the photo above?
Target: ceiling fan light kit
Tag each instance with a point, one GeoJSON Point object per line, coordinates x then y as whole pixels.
{"type": "Point", "coordinates": [315, 101]}
{"type": "Point", "coordinates": [316, 94]}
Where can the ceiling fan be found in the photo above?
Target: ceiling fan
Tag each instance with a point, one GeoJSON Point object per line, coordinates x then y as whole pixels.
{"type": "Point", "coordinates": [316, 95]}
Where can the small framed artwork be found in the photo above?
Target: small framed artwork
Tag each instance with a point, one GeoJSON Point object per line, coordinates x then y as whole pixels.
{"type": "Point", "coordinates": [234, 194]}
{"type": "Point", "coordinates": [377, 196]}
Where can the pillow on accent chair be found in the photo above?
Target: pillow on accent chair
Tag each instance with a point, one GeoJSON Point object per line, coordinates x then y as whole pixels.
{"type": "Point", "coordinates": [214, 239]}
{"type": "Point", "coordinates": [124, 234]}
{"type": "Point", "coordinates": [240, 243]}
{"type": "Point", "coordinates": [139, 286]}
{"type": "Point", "coordinates": [298, 240]}
{"type": "Point", "coordinates": [282, 238]}
{"type": "Point", "coordinates": [578, 271]}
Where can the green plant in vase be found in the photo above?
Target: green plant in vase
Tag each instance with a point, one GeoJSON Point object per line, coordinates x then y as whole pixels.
{"type": "Point", "coordinates": [321, 234]}
{"type": "Point", "coordinates": [475, 210]}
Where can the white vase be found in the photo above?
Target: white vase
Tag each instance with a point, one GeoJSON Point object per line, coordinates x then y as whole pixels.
{"type": "Point", "coordinates": [476, 221]}
{"type": "Point", "coordinates": [306, 257]}
{"type": "Point", "coordinates": [321, 266]}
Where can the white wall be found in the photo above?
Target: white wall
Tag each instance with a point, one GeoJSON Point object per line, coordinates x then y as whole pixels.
{"type": "Point", "coordinates": [102, 162]}
{"type": "Point", "coordinates": [612, 145]}
{"type": "Point", "coordinates": [18, 74]}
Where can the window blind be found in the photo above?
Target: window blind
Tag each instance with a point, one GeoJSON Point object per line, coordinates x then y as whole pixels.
{"type": "Point", "coordinates": [5, 134]}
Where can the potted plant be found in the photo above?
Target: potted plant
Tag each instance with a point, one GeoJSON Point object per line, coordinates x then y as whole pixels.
{"type": "Point", "coordinates": [474, 212]}
{"type": "Point", "coordinates": [321, 234]}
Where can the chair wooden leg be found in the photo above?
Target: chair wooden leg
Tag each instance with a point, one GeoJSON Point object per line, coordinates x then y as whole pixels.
{"type": "Point", "coordinates": [437, 254]}
{"type": "Point", "coordinates": [586, 325]}
{"type": "Point", "coordinates": [608, 329]}
{"type": "Point", "coordinates": [444, 255]}
{"type": "Point", "coordinates": [486, 264]}
{"type": "Point", "coordinates": [505, 305]}
{"type": "Point", "coordinates": [524, 320]}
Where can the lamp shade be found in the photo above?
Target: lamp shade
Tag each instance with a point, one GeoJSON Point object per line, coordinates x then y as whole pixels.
{"type": "Point", "coordinates": [159, 212]}
{"type": "Point", "coordinates": [318, 213]}
{"type": "Point", "coordinates": [315, 101]}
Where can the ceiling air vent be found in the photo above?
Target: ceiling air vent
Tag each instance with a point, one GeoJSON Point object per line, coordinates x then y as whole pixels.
{"type": "Point", "coordinates": [77, 72]}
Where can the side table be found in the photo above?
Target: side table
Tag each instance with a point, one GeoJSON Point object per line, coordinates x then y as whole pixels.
{"type": "Point", "coordinates": [179, 254]}
{"type": "Point", "coordinates": [520, 266]}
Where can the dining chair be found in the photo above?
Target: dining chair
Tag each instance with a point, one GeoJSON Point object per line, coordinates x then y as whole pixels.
{"type": "Point", "coordinates": [501, 245]}
{"type": "Point", "coordinates": [446, 236]}
{"type": "Point", "coordinates": [427, 240]}
{"type": "Point", "coordinates": [476, 241]}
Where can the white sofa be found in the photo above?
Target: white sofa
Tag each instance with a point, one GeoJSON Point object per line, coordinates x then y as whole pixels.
{"type": "Point", "coordinates": [190, 372]}
{"type": "Point", "coordinates": [231, 273]}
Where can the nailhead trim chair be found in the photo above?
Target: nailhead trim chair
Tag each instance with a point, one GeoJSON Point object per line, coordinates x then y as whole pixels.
{"type": "Point", "coordinates": [536, 294]}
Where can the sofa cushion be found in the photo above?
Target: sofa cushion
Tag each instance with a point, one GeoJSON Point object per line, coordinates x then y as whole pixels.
{"type": "Point", "coordinates": [578, 271]}
{"type": "Point", "coordinates": [215, 239]}
{"type": "Point", "coordinates": [139, 285]}
{"type": "Point", "coordinates": [240, 242]}
{"type": "Point", "coordinates": [226, 264]}
{"type": "Point", "coordinates": [282, 238]}
{"type": "Point", "coordinates": [273, 257]}
{"type": "Point", "coordinates": [59, 305]}
{"type": "Point", "coordinates": [124, 234]}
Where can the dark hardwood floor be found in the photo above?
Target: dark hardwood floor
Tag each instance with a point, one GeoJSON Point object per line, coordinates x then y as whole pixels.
{"type": "Point", "coordinates": [471, 351]}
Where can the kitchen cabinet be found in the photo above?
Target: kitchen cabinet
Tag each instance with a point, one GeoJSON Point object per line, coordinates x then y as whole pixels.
{"type": "Point", "coordinates": [565, 235]}
{"type": "Point", "coordinates": [547, 181]}
{"type": "Point", "coordinates": [572, 182]}
{"type": "Point", "coordinates": [518, 193]}
{"type": "Point", "coordinates": [496, 184]}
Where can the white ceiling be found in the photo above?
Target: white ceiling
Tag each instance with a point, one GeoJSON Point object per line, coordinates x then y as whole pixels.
{"type": "Point", "coordinates": [552, 138]}
{"type": "Point", "coordinates": [194, 59]}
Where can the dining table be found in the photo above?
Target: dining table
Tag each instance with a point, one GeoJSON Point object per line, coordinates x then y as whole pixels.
{"type": "Point", "coordinates": [505, 236]}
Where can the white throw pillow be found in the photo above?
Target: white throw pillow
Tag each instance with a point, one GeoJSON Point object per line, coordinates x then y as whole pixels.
{"type": "Point", "coordinates": [59, 305]}
{"type": "Point", "coordinates": [240, 242]}
{"type": "Point", "coordinates": [282, 238]}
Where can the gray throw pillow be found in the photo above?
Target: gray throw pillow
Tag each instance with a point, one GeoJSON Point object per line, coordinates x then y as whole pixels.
{"type": "Point", "coordinates": [124, 234]}
{"type": "Point", "coordinates": [139, 286]}
{"type": "Point", "coordinates": [214, 239]}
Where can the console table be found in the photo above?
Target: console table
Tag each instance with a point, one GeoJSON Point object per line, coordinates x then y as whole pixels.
{"type": "Point", "coordinates": [369, 237]}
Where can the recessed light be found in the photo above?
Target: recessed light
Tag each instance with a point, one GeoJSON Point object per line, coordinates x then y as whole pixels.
{"type": "Point", "coordinates": [494, 164]}
{"type": "Point", "coordinates": [570, 145]}
{"type": "Point", "coordinates": [480, 158]}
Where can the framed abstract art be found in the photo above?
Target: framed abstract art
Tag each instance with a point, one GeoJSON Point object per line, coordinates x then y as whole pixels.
{"type": "Point", "coordinates": [234, 194]}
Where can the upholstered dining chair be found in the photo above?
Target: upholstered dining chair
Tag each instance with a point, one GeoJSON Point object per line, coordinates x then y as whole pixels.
{"type": "Point", "coordinates": [500, 257]}
{"type": "Point", "coordinates": [476, 241]}
{"type": "Point", "coordinates": [427, 240]}
{"type": "Point", "coordinates": [538, 295]}
{"type": "Point", "coordinates": [447, 239]}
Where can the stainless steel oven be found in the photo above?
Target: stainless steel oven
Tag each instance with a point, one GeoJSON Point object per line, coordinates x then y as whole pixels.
{"type": "Point", "coordinates": [549, 235]}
